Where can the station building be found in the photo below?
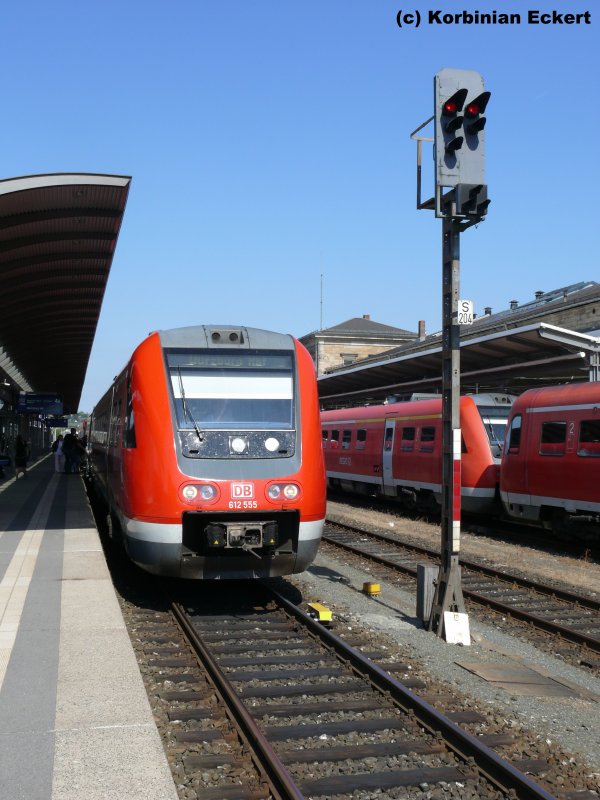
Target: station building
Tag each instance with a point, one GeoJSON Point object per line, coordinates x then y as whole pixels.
{"type": "Point", "coordinates": [552, 338]}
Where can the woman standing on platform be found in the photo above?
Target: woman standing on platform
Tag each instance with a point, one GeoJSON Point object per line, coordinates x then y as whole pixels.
{"type": "Point", "coordinates": [21, 456]}
{"type": "Point", "coordinates": [59, 456]}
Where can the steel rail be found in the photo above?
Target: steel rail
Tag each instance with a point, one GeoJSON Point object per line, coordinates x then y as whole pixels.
{"type": "Point", "coordinates": [551, 627]}
{"type": "Point", "coordinates": [268, 761]}
{"type": "Point", "coordinates": [524, 583]}
{"type": "Point", "coordinates": [498, 771]}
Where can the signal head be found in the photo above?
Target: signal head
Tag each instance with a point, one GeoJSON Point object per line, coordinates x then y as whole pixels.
{"type": "Point", "coordinates": [459, 143]}
{"type": "Point", "coordinates": [478, 105]}
{"type": "Point", "coordinates": [455, 103]}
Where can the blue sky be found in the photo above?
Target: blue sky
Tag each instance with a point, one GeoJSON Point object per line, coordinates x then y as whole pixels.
{"type": "Point", "coordinates": [268, 143]}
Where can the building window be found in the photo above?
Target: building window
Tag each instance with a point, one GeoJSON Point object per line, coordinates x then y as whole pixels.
{"type": "Point", "coordinates": [348, 358]}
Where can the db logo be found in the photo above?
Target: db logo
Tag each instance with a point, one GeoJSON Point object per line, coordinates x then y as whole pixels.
{"type": "Point", "coordinates": [242, 491]}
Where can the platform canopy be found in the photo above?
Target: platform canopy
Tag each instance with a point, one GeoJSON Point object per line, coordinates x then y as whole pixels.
{"type": "Point", "coordinates": [512, 360]}
{"type": "Point", "coordinates": [58, 235]}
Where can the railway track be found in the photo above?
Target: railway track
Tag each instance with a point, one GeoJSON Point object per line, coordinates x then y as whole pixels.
{"type": "Point", "coordinates": [262, 701]}
{"type": "Point", "coordinates": [571, 617]}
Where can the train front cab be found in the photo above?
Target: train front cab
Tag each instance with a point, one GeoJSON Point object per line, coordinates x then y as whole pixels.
{"type": "Point", "coordinates": [551, 461]}
{"type": "Point", "coordinates": [244, 429]}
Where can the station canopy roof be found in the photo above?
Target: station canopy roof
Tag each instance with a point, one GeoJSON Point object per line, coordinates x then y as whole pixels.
{"type": "Point", "coordinates": [58, 235]}
{"type": "Point", "coordinates": [511, 360]}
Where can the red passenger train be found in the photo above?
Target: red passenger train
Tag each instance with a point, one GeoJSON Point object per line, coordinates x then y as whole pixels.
{"type": "Point", "coordinates": [551, 463]}
{"type": "Point", "coordinates": [206, 450]}
{"type": "Point", "coordinates": [396, 450]}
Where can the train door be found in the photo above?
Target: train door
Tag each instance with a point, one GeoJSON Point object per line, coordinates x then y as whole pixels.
{"type": "Point", "coordinates": [514, 464]}
{"type": "Point", "coordinates": [388, 449]}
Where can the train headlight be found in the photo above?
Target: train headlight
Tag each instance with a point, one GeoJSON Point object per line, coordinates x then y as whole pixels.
{"type": "Point", "coordinates": [283, 491]}
{"type": "Point", "coordinates": [238, 445]}
{"type": "Point", "coordinates": [198, 492]}
{"type": "Point", "coordinates": [190, 493]}
{"type": "Point", "coordinates": [271, 444]}
{"type": "Point", "coordinates": [274, 491]}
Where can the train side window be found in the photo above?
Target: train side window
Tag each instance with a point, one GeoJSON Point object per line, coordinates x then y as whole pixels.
{"type": "Point", "coordinates": [325, 435]}
{"type": "Point", "coordinates": [361, 438]}
{"type": "Point", "coordinates": [427, 439]}
{"type": "Point", "coordinates": [346, 439]}
{"type": "Point", "coordinates": [514, 434]}
{"type": "Point", "coordinates": [116, 423]}
{"type": "Point", "coordinates": [129, 428]}
{"type": "Point", "coordinates": [335, 438]}
{"type": "Point", "coordinates": [389, 438]}
{"type": "Point", "coordinates": [407, 443]}
{"type": "Point", "coordinates": [589, 438]}
{"type": "Point", "coordinates": [553, 438]}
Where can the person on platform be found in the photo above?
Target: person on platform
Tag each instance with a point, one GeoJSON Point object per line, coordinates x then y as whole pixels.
{"type": "Point", "coordinates": [69, 445]}
{"type": "Point", "coordinates": [59, 456]}
{"type": "Point", "coordinates": [21, 456]}
{"type": "Point", "coordinates": [77, 454]}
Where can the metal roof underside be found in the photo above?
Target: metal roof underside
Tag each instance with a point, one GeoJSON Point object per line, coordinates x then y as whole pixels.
{"type": "Point", "coordinates": [513, 360]}
{"type": "Point", "coordinates": [58, 235]}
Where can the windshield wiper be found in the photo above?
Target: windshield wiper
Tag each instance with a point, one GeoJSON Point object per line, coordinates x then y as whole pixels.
{"type": "Point", "coordinates": [186, 411]}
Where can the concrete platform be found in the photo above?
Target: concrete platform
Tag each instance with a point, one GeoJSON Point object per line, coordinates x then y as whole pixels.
{"type": "Point", "coordinates": [75, 721]}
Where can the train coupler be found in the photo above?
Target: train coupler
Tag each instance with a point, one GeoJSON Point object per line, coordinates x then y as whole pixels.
{"type": "Point", "coordinates": [243, 536]}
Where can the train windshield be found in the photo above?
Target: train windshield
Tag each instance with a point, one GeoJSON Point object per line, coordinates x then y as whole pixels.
{"type": "Point", "coordinates": [235, 391]}
{"type": "Point", "coordinates": [494, 420]}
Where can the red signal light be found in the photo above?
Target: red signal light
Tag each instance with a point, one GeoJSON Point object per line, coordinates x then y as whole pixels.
{"type": "Point", "coordinates": [454, 104]}
{"type": "Point", "coordinates": [472, 110]}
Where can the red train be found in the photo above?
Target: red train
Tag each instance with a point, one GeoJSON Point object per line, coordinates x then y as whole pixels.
{"type": "Point", "coordinates": [206, 450]}
{"type": "Point", "coordinates": [547, 472]}
{"type": "Point", "coordinates": [396, 450]}
{"type": "Point", "coordinates": [551, 462]}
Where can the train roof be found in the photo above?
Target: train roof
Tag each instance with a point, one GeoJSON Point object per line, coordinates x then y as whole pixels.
{"type": "Point", "coordinates": [226, 337]}
{"type": "Point", "coordinates": [431, 405]}
{"type": "Point", "coordinates": [418, 405]}
{"type": "Point", "coordinates": [571, 394]}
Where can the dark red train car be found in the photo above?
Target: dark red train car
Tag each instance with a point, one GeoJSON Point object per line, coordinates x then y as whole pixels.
{"type": "Point", "coordinates": [396, 450]}
{"type": "Point", "coordinates": [207, 452]}
{"type": "Point", "coordinates": [551, 463]}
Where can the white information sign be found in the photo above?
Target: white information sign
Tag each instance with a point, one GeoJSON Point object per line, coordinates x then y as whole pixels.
{"type": "Point", "coordinates": [465, 312]}
{"type": "Point", "coordinates": [456, 628]}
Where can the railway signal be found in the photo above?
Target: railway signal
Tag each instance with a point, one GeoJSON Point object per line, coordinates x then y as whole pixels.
{"type": "Point", "coordinates": [459, 136]}
{"type": "Point", "coordinates": [460, 200]}
{"type": "Point", "coordinates": [471, 200]}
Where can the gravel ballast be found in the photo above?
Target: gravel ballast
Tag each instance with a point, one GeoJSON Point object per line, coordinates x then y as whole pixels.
{"type": "Point", "coordinates": [572, 723]}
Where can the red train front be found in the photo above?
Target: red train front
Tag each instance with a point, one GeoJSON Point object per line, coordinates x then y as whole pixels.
{"type": "Point", "coordinates": [551, 462]}
{"type": "Point", "coordinates": [207, 451]}
{"type": "Point", "coordinates": [396, 450]}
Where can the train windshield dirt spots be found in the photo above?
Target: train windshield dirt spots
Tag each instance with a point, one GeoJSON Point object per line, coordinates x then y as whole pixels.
{"type": "Point", "coordinates": [242, 391]}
